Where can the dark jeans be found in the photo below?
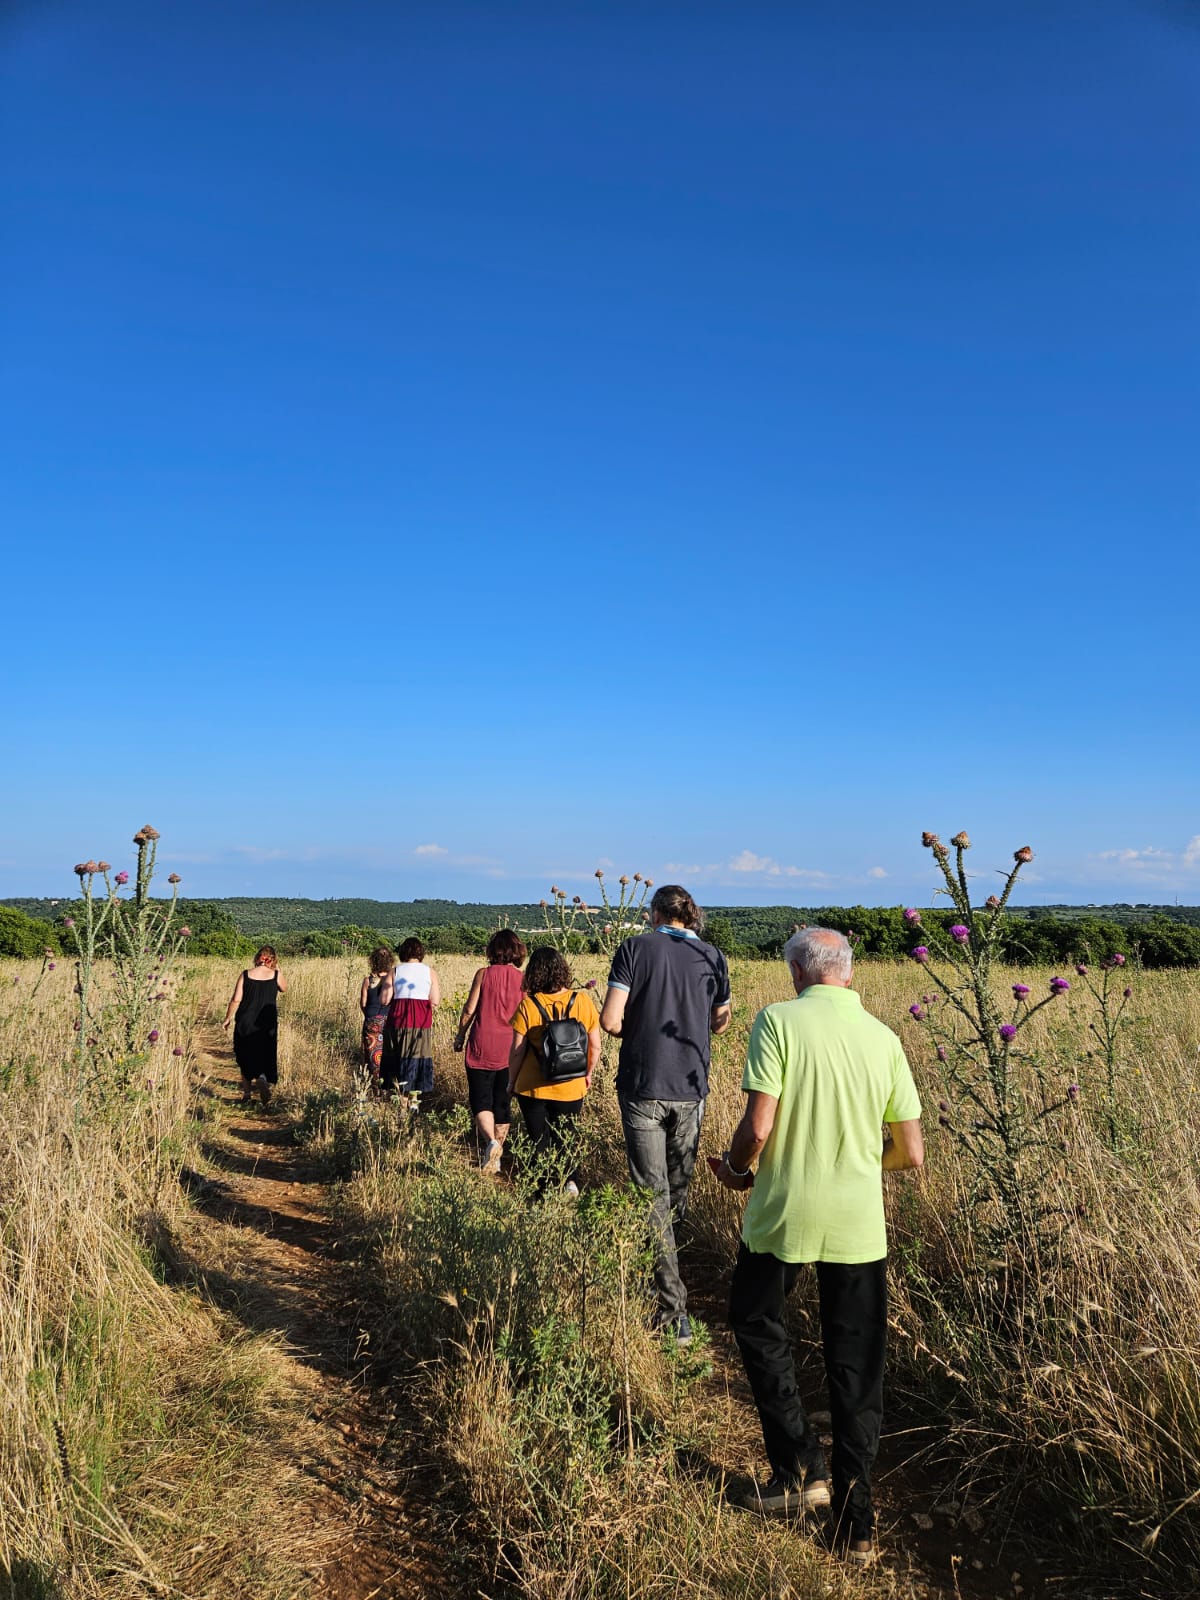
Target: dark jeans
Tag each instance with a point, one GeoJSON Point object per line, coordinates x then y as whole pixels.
{"type": "Point", "coordinates": [661, 1139]}
{"type": "Point", "coordinates": [550, 1125]}
{"type": "Point", "coordinates": [854, 1338]}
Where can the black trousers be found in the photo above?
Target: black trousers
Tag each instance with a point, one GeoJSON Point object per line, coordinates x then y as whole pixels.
{"type": "Point", "coordinates": [853, 1302]}
{"type": "Point", "coordinates": [550, 1125]}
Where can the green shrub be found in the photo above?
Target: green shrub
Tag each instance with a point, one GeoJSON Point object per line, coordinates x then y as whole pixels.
{"type": "Point", "coordinates": [23, 936]}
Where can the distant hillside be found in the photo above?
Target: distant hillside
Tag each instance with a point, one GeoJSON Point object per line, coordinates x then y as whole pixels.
{"type": "Point", "coordinates": [756, 926]}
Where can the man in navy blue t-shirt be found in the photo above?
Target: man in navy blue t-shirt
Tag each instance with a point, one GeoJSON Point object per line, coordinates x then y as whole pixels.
{"type": "Point", "coordinates": [668, 992]}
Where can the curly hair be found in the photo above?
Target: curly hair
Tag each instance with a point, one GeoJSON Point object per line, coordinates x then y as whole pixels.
{"type": "Point", "coordinates": [382, 959]}
{"type": "Point", "coordinates": [505, 948]}
{"type": "Point", "coordinates": [547, 971]}
{"type": "Point", "coordinates": [266, 957]}
{"type": "Point", "coordinates": [411, 950]}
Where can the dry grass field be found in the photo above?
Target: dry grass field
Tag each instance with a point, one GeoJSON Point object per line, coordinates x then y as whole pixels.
{"type": "Point", "coordinates": [1048, 1382]}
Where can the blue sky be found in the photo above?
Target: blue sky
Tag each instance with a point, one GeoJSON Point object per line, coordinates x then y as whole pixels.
{"type": "Point", "coordinates": [446, 447]}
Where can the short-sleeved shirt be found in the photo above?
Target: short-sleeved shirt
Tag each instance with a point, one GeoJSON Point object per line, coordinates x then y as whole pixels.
{"type": "Point", "coordinates": [531, 1080]}
{"type": "Point", "coordinates": [839, 1074]}
{"type": "Point", "coordinates": [674, 979]}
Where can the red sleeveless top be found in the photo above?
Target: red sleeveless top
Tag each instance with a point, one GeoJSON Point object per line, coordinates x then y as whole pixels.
{"type": "Point", "coordinates": [491, 1035]}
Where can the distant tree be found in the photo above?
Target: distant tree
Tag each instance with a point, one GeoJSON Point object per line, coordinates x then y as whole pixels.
{"type": "Point", "coordinates": [25, 936]}
{"type": "Point", "coordinates": [719, 931]}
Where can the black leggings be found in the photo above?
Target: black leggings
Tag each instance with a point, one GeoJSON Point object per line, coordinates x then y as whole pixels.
{"type": "Point", "coordinates": [550, 1125]}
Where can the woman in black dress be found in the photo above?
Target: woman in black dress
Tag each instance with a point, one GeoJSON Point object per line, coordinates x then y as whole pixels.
{"type": "Point", "coordinates": [254, 1012]}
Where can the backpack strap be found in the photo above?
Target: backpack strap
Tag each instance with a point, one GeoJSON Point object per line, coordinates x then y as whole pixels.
{"type": "Point", "coordinates": [570, 1003]}
{"type": "Point", "coordinates": [546, 1017]}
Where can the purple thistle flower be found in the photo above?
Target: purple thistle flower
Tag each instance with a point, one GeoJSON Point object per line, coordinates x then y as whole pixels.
{"type": "Point", "coordinates": [122, 877]}
{"type": "Point", "coordinates": [1081, 969]}
{"type": "Point", "coordinates": [68, 922]}
{"type": "Point", "coordinates": [178, 1050]}
{"type": "Point", "coordinates": [1118, 960]}
{"type": "Point", "coordinates": [959, 933]}
{"type": "Point", "coordinates": [913, 917]}
{"type": "Point", "coordinates": [590, 984]}
{"type": "Point", "coordinates": [1128, 992]}
{"type": "Point", "coordinates": [153, 1035]}
{"type": "Point", "coordinates": [50, 966]}
{"type": "Point", "coordinates": [1072, 1091]}
{"type": "Point", "coordinates": [943, 1121]}
{"type": "Point", "coordinates": [1059, 986]}
{"type": "Point", "coordinates": [943, 1105]}
{"type": "Point", "coordinates": [916, 1011]}
{"type": "Point", "coordinates": [185, 933]}
{"type": "Point", "coordinates": [920, 955]}
{"type": "Point", "coordinates": [1020, 991]}
{"type": "Point", "coordinates": [1007, 1031]}
{"type": "Point", "coordinates": [941, 1052]}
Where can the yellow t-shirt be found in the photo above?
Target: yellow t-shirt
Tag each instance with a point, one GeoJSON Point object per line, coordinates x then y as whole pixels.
{"type": "Point", "coordinates": [531, 1080]}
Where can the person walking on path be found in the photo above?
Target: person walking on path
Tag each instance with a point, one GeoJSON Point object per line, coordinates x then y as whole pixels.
{"type": "Point", "coordinates": [668, 992]}
{"type": "Point", "coordinates": [254, 1011]}
{"type": "Point", "coordinates": [822, 1078]}
{"type": "Point", "coordinates": [412, 994]}
{"type": "Point", "coordinates": [550, 1109]}
{"type": "Point", "coordinates": [485, 1029]}
{"type": "Point", "coordinates": [374, 1009]}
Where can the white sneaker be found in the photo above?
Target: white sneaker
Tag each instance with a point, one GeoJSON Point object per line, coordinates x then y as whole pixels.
{"type": "Point", "coordinates": [571, 1189]}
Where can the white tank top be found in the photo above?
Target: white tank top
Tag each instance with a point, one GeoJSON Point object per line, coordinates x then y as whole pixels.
{"type": "Point", "coordinates": [411, 981]}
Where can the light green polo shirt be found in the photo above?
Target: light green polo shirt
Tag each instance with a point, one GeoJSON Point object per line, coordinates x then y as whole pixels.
{"type": "Point", "coordinates": [839, 1074]}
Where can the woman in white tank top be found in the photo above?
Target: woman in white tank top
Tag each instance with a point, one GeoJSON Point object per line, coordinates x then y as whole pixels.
{"type": "Point", "coordinates": [413, 994]}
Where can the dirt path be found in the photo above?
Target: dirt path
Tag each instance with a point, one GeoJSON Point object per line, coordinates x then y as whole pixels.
{"type": "Point", "coordinates": [379, 1529]}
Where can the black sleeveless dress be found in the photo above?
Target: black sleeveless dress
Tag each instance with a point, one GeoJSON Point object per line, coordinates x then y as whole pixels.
{"type": "Point", "coordinates": [256, 1028]}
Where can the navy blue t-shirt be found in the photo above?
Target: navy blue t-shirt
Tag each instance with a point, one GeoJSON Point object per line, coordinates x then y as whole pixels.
{"type": "Point", "coordinates": [674, 980]}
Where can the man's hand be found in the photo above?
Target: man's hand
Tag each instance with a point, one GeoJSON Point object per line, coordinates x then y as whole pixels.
{"type": "Point", "coordinates": [726, 1176]}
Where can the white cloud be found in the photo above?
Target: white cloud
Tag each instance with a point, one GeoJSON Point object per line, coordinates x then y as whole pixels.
{"type": "Point", "coordinates": [430, 850]}
{"type": "Point", "coordinates": [1152, 864]}
{"type": "Point", "coordinates": [747, 861]}
{"type": "Point", "coordinates": [877, 872]}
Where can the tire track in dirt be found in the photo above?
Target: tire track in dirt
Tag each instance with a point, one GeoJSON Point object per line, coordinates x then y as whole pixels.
{"type": "Point", "coordinates": [380, 1527]}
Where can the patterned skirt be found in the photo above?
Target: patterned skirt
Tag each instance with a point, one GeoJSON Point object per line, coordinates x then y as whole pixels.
{"type": "Point", "coordinates": [372, 1040]}
{"type": "Point", "coordinates": [406, 1060]}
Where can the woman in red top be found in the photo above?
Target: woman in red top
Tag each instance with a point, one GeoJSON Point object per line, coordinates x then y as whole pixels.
{"type": "Point", "coordinates": [485, 1027]}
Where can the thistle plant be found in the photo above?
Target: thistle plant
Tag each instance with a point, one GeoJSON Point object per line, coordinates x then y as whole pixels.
{"type": "Point", "coordinates": [1111, 996]}
{"type": "Point", "coordinates": [998, 1122]}
{"type": "Point", "coordinates": [139, 938]}
{"type": "Point", "coordinates": [603, 926]}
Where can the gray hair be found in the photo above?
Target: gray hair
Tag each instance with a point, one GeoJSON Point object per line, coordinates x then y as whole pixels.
{"type": "Point", "coordinates": [821, 954]}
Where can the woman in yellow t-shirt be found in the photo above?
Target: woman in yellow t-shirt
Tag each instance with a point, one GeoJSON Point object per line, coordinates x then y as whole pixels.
{"type": "Point", "coordinates": [549, 1109]}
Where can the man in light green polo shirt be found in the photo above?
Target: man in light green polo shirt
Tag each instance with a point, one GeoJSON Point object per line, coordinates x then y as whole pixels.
{"type": "Point", "coordinates": [822, 1078]}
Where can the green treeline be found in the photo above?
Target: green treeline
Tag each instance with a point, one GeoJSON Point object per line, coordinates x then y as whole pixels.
{"type": "Point", "coordinates": [1157, 936]}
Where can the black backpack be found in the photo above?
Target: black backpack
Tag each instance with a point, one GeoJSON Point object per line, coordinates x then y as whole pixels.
{"type": "Point", "coordinates": [564, 1049]}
